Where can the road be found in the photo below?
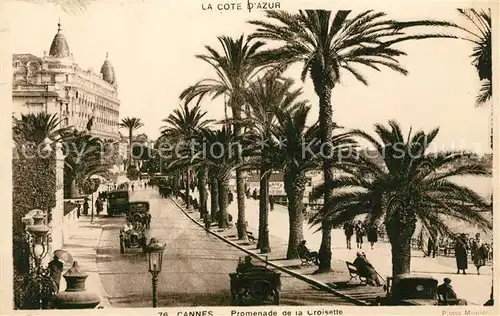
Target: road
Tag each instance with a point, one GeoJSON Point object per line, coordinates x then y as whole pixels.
{"type": "Point", "coordinates": [195, 266]}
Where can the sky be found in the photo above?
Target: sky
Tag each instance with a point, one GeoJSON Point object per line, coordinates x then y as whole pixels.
{"type": "Point", "coordinates": [152, 46]}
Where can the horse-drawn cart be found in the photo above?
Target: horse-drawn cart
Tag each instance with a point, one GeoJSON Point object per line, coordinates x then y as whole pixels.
{"type": "Point", "coordinates": [258, 283]}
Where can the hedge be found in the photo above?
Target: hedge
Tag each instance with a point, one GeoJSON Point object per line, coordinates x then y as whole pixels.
{"type": "Point", "coordinates": [34, 186]}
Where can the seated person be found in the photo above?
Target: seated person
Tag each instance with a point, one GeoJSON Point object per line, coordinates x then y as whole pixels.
{"type": "Point", "coordinates": [306, 253]}
{"type": "Point", "coordinates": [445, 291]}
{"type": "Point", "coordinates": [245, 266]}
{"type": "Point", "coordinates": [366, 270]}
{"type": "Point", "coordinates": [127, 227]}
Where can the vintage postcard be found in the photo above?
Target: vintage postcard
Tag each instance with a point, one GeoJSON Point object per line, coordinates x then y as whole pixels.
{"type": "Point", "coordinates": [249, 158]}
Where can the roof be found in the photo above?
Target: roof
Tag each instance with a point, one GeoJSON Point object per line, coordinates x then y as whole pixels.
{"type": "Point", "coordinates": [107, 71]}
{"type": "Point", "coordinates": [59, 46]}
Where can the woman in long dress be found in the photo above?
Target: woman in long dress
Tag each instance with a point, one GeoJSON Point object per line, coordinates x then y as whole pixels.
{"type": "Point", "coordinates": [478, 252]}
{"type": "Point", "coordinates": [372, 235]}
{"type": "Point", "coordinates": [461, 253]}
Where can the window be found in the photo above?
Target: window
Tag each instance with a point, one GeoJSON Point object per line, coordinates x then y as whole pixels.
{"type": "Point", "coordinates": [67, 78]}
{"type": "Point", "coordinates": [35, 108]}
{"type": "Point", "coordinates": [53, 78]}
{"type": "Point", "coordinates": [76, 94]}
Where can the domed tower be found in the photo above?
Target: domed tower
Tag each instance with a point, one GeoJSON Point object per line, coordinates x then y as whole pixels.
{"type": "Point", "coordinates": [59, 47]}
{"type": "Point", "coordinates": [108, 72]}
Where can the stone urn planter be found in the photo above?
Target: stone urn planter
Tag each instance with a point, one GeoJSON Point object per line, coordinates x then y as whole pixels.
{"type": "Point", "coordinates": [76, 296]}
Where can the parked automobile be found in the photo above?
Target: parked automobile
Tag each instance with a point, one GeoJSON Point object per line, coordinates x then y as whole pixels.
{"type": "Point", "coordinates": [410, 289]}
{"type": "Point", "coordinates": [118, 202]}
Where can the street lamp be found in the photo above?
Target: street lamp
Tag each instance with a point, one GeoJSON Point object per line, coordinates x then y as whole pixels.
{"type": "Point", "coordinates": [154, 251]}
{"type": "Point", "coordinates": [40, 239]}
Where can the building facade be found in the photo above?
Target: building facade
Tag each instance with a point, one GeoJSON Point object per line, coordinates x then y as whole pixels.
{"type": "Point", "coordinates": [55, 84]}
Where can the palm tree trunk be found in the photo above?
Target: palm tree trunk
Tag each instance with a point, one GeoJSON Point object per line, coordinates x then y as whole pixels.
{"type": "Point", "coordinates": [295, 184]}
{"type": "Point", "coordinates": [202, 190]}
{"type": "Point", "coordinates": [241, 225]}
{"type": "Point", "coordinates": [130, 147]}
{"type": "Point", "coordinates": [263, 243]}
{"type": "Point", "coordinates": [223, 201]}
{"type": "Point", "coordinates": [188, 202]}
{"type": "Point", "coordinates": [326, 132]}
{"type": "Point", "coordinates": [214, 197]}
{"type": "Point", "coordinates": [240, 196]}
{"type": "Point", "coordinates": [400, 228]}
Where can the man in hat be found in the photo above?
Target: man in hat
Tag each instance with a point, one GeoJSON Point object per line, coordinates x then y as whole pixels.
{"type": "Point", "coordinates": [55, 268]}
{"type": "Point", "coordinates": [245, 266]}
{"type": "Point", "coordinates": [445, 291]}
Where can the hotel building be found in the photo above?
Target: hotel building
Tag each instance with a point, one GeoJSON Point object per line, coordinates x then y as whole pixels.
{"type": "Point", "coordinates": [55, 84]}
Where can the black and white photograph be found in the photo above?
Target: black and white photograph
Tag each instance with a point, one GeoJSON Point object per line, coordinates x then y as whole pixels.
{"type": "Point", "coordinates": [249, 158]}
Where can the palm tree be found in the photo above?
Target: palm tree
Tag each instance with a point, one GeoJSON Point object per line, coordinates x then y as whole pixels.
{"type": "Point", "coordinates": [131, 124]}
{"type": "Point", "coordinates": [326, 43]}
{"type": "Point", "coordinates": [180, 129]}
{"type": "Point", "coordinates": [263, 98]}
{"type": "Point", "coordinates": [84, 157]}
{"type": "Point", "coordinates": [36, 128]}
{"type": "Point", "coordinates": [410, 185]}
{"type": "Point", "coordinates": [235, 67]}
{"type": "Point", "coordinates": [75, 6]}
{"type": "Point", "coordinates": [219, 154]}
{"type": "Point", "coordinates": [295, 162]}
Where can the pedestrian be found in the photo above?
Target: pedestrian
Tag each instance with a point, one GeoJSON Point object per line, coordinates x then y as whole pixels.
{"type": "Point", "coordinates": [461, 253]}
{"type": "Point", "coordinates": [254, 194]}
{"type": "Point", "coordinates": [431, 247]}
{"type": "Point", "coordinates": [478, 252]}
{"type": "Point", "coordinates": [97, 206]}
{"type": "Point", "coordinates": [86, 207]}
{"type": "Point", "coordinates": [348, 231]}
{"type": "Point", "coordinates": [78, 206]}
{"type": "Point", "coordinates": [208, 221]}
{"type": "Point", "coordinates": [372, 235]}
{"type": "Point", "coordinates": [132, 187]}
{"type": "Point", "coordinates": [271, 202]}
{"type": "Point", "coordinates": [360, 232]}
{"type": "Point", "coordinates": [55, 269]}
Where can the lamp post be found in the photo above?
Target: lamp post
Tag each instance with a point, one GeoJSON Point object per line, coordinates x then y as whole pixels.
{"type": "Point", "coordinates": [154, 251]}
{"type": "Point", "coordinates": [39, 233]}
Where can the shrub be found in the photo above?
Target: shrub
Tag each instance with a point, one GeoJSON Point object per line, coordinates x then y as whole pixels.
{"type": "Point", "coordinates": [34, 186]}
{"type": "Point", "coordinates": [34, 290]}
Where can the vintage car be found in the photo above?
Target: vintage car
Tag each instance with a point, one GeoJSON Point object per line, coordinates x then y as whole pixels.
{"type": "Point", "coordinates": [139, 213]}
{"type": "Point", "coordinates": [411, 289]}
{"type": "Point", "coordinates": [164, 191]}
{"type": "Point", "coordinates": [258, 283]}
{"type": "Point", "coordinates": [132, 237]}
{"type": "Point", "coordinates": [118, 202]}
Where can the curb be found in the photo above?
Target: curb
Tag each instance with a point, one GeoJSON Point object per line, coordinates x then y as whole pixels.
{"type": "Point", "coordinates": [310, 281]}
{"type": "Point", "coordinates": [102, 291]}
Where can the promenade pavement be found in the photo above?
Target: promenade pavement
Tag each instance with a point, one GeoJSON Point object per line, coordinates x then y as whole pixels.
{"type": "Point", "coordinates": [474, 288]}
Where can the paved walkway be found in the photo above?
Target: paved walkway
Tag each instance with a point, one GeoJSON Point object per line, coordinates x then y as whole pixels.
{"type": "Point", "coordinates": [472, 287]}
{"type": "Point", "coordinates": [82, 245]}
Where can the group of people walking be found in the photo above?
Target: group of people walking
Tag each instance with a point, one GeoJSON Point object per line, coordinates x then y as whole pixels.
{"type": "Point", "coordinates": [360, 230]}
{"type": "Point", "coordinates": [478, 250]}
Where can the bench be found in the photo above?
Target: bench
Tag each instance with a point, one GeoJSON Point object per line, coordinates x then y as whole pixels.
{"type": "Point", "coordinates": [251, 237]}
{"type": "Point", "coordinates": [305, 260]}
{"type": "Point", "coordinates": [353, 273]}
